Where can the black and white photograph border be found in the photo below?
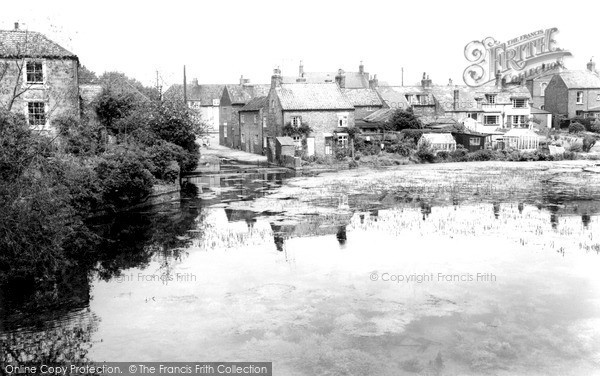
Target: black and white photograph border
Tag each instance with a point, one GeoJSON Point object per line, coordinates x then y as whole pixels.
{"type": "Point", "coordinates": [314, 188]}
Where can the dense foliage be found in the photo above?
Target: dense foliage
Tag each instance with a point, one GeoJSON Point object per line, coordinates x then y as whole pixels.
{"type": "Point", "coordinates": [403, 119]}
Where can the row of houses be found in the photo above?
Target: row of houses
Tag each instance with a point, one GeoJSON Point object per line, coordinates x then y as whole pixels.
{"type": "Point", "coordinates": [40, 78]}
{"type": "Point", "coordinates": [330, 103]}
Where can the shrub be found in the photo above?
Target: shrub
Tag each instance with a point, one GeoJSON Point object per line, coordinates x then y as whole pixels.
{"type": "Point", "coordinates": [443, 155]}
{"type": "Point", "coordinates": [352, 164]}
{"type": "Point", "coordinates": [576, 128]}
{"type": "Point", "coordinates": [341, 153]}
{"type": "Point", "coordinates": [595, 126]}
{"type": "Point", "coordinates": [459, 155]}
{"type": "Point", "coordinates": [588, 143]}
{"type": "Point", "coordinates": [162, 155]}
{"type": "Point", "coordinates": [402, 147]}
{"type": "Point", "coordinates": [575, 148]}
{"type": "Point", "coordinates": [125, 178]}
{"type": "Point", "coordinates": [425, 153]}
{"type": "Point", "coordinates": [412, 134]}
{"type": "Point", "coordinates": [482, 155]}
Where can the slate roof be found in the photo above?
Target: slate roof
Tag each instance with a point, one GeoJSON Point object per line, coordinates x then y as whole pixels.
{"type": "Point", "coordinates": [305, 96]}
{"type": "Point", "coordinates": [392, 97]}
{"type": "Point", "coordinates": [24, 43]}
{"type": "Point", "coordinates": [363, 97]}
{"type": "Point", "coordinates": [255, 104]}
{"type": "Point", "coordinates": [580, 79]}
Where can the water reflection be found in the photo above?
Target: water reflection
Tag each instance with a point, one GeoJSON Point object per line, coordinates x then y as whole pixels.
{"type": "Point", "coordinates": [294, 285]}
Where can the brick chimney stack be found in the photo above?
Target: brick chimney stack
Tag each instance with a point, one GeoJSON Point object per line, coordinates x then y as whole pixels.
{"type": "Point", "coordinates": [361, 68]}
{"type": "Point", "coordinates": [425, 82]}
{"type": "Point", "coordinates": [455, 99]}
{"type": "Point", "coordinates": [276, 78]}
{"type": "Point", "coordinates": [194, 82]}
{"type": "Point", "coordinates": [374, 82]}
{"type": "Point", "coordinates": [16, 26]}
{"type": "Point", "coordinates": [340, 79]}
{"type": "Point", "coordinates": [301, 69]}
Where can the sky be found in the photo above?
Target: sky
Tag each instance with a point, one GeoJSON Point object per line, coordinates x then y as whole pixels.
{"type": "Point", "coordinates": [218, 41]}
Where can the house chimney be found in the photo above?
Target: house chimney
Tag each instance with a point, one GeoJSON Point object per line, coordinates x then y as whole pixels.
{"type": "Point", "coordinates": [456, 98]}
{"type": "Point", "coordinates": [374, 82]}
{"type": "Point", "coordinates": [194, 81]}
{"type": "Point", "coordinates": [361, 68]}
{"type": "Point", "coordinates": [425, 81]}
{"type": "Point", "coordinates": [591, 65]}
{"type": "Point", "coordinates": [449, 82]}
{"type": "Point", "coordinates": [276, 78]}
{"type": "Point", "coordinates": [340, 79]}
{"type": "Point", "coordinates": [498, 80]}
{"type": "Point", "coordinates": [16, 26]}
{"type": "Point", "coordinates": [301, 69]}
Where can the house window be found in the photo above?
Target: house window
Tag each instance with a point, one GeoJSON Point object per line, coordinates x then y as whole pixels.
{"type": "Point", "coordinates": [342, 140]}
{"type": "Point", "coordinates": [543, 86]}
{"type": "Point", "coordinates": [542, 107]}
{"type": "Point", "coordinates": [472, 115]}
{"type": "Point", "coordinates": [232, 131]}
{"type": "Point", "coordinates": [343, 119]}
{"type": "Point", "coordinates": [580, 97]}
{"type": "Point", "coordinates": [598, 97]}
{"type": "Point", "coordinates": [578, 113]}
{"type": "Point", "coordinates": [519, 103]}
{"type": "Point", "coordinates": [491, 98]}
{"type": "Point", "coordinates": [475, 141]}
{"type": "Point", "coordinates": [264, 142]}
{"type": "Point", "coordinates": [328, 145]}
{"type": "Point", "coordinates": [272, 103]}
{"type": "Point", "coordinates": [264, 122]}
{"type": "Point", "coordinates": [243, 138]}
{"type": "Point", "coordinates": [296, 121]}
{"type": "Point", "coordinates": [242, 118]}
{"type": "Point", "coordinates": [255, 119]}
{"type": "Point", "coordinates": [36, 112]}
{"type": "Point", "coordinates": [215, 102]}
{"type": "Point", "coordinates": [518, 120]}
{"type": "Point", "coordinates": [35, 72]}
{"type": "Point", "coordinates": [491, 119]}
{"type": "Point", "coordinates": [256, 139]}
{"type": "Point", "coordinates": [297, 141]}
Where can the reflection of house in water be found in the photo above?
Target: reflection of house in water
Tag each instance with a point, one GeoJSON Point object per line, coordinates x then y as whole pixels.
{"type": "Point", "coordinates": [313, 225]}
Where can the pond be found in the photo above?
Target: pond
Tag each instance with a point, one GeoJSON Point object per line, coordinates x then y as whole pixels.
{"type": "Point", "coordinates": [434, 270]}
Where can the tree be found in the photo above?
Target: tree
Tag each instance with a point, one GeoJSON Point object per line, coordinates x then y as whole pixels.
{"type": "Point", "coordinates": [86, 76]}
{"type": "Point", "coordinates": [403, 119]}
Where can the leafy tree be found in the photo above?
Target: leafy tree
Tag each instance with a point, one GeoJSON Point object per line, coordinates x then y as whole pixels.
{"type": "Point", "coordinates": [403, 119]}
{"type": "Point", "coordinates": [86, 76]}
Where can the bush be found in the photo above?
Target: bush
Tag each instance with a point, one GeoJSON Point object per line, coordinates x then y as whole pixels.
{"type": "Point", "coordinates": [459, 155]}
{"type": "Point", "coordinates": [443, 155]}
{"type": "Point", "coordinates": [125, 178]}
{"type": "Point", "coordinates": [412, 134]}
{"type": "Point", "coordinates": [341, 153]}
{"type": "Point", "coordinates": [162, 155]}
{"type": "Point", "coordinates": [595, 126]}
{"type": "Point", "coordinates": [588, 143]}
{"type": "Point", "coordinates": [402, 147]}
{"type": "Point", "coordinates": [425, 153]}
{"type": "Point", "coordinates": [575, 148]}
{"type": "Point", "coordinates": [352, 164]}
{"type": "Point", "coordinates": [576, 128]}
{"type": "Point", "coordinates": [482, 155]}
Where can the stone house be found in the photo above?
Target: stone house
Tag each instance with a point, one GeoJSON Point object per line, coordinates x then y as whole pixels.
{"type": "Point", "coordinates": [205, 98]}
{"type": "Point", "coordinates": [574, 93]}
{"type": "Point", "coordinates": [253, 121]}
{"type": "Point", "coordinates": [322, 106]}
{"type": "Point", "coordinates": [235, 97]}
{"type": "Point", "coordinates": [38, 77]}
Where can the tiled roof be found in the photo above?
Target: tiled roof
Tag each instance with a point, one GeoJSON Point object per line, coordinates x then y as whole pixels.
{"type": "Point", "coordinates": [241, 94]}
{"type": "Point", "coordinates": [205, 94]}
{"type": "Point", "coordinates": [393, 96]}
{"type": "Point", "coordinates": [580, 79]}
{"type": "Point", "coordinates": [354, 80]}
{"type": "Point", "coordinates": [23, 43]}
{"type": "Point", "coordinates": [363, 97]}
{"type": "Point", "coordinates": [303, 96]}
{"type": "Point", "coordinates": [379, 116]}
{"type": "Point", "coordinates": [255, 104]}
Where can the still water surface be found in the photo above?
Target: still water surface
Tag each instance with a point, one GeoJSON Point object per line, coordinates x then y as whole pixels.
{"type": "Point", "coordinates": [374, 282]}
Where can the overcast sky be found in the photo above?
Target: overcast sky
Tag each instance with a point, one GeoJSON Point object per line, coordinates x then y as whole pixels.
{"type": "Point", "coordinates": [220, 40]}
